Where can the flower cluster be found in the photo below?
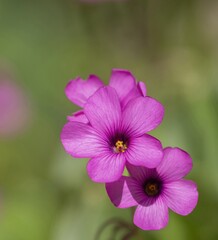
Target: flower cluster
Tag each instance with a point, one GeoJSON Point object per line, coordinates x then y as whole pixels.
{"type": "Point", "coordinates": [111, 130]}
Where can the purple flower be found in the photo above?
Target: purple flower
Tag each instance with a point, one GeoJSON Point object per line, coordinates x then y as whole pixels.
{"type": "Point", "coordinates": [114, 134]}
{"type": "Point", "coordinates": [153, 191]}
{"type": "Point", "coordinates": [78, 90]}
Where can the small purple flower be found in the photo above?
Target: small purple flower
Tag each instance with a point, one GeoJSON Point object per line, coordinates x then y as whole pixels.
{"type": "Point", "coordinates": [153, 191]}
{"type": "Point", "coordinates": [78, 90]}
{"type": "Point", "coordinates": [114, 134]}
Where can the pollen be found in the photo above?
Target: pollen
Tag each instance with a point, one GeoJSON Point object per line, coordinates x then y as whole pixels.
{"type": "Point", "coordinates": [120, 147]}
{"type": "Point", "coordinates": [152, 189]}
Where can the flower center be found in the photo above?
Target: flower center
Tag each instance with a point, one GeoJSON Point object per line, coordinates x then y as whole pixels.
{"type": "Point", "coordinates": [152, 188]}
{"type": "Point", "coordinates": [120, 147]}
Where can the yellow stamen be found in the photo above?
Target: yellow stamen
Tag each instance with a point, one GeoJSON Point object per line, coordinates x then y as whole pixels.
{"type": "Point", "coordinates": [120, 146]}
{"type": "Point", "coordinates": [152, 189]}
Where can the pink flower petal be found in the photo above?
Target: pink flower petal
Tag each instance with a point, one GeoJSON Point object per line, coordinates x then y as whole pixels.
{"type": "Point", "coordinates": [78, 116]}
{"type": "Point", "coordinates": [141, 174]}
{"type": "Point", "coordinates": [134, 93]}
{"type": "Point", "coordinates": [79, 90]}
{"type": "Point", "coordinates": [81, 140]}
{"type": "Point", "coordinates": [123, 81]}
{"type": "Point", "coordinates": [103, 110]}
{"type": "Point", "coordinates": [142, 88]}
{"type": "Point", "coordinates": [141, 115]}
{"type": "Point", "coordinates": [106, 168]}
{"type": "Point", "coordinates": [181, 196]}
{"type": "Point", "coordinates": [176, 164]}
{"type": "Point", "coordinates": [138, 91]}
{"type": "Point", "coordinates": [124, 193]}
{"type": "Point", "coordinates": [152, 215]}
{"type": "Point", "coordinates": [145, 151]}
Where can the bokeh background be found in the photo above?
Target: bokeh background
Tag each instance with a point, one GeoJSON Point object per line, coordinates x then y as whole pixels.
{"type": "Point", "coordinates": [171, 45]}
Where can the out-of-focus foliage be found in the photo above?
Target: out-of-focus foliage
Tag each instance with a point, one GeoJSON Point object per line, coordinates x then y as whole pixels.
{"type": "Point", "coordinates": [171, 45]}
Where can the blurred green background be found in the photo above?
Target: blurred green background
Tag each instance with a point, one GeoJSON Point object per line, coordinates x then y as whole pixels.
{"type": "Point", "coordinates": [170, 45]}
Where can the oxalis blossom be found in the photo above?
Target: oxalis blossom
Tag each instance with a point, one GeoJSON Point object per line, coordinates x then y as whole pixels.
{"type": "Point", "coordinates": [153, 191]}
{"type": "Point", "coordinates": [79, 90]}
{"type": "Point", "coordinates": [115, 135]}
